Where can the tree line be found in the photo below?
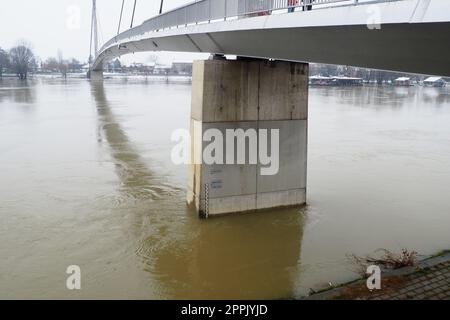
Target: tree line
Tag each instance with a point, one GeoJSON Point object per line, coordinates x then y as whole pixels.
{"type": "Point", "coordinates": [21, 60]}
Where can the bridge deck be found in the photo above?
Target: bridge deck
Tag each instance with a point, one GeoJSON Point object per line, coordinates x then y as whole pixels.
{"type": "Point", "coordinates": [401, 35]}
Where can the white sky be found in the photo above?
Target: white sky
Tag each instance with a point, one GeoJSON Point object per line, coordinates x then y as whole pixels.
{"type": "Point", "coordinates": [52, 25]}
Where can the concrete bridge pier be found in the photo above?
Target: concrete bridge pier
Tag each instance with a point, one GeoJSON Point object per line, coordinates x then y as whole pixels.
{"type": "Point", "coordinates": [95, 75]}
{"type": "Point", "coordinates": [256, 96]}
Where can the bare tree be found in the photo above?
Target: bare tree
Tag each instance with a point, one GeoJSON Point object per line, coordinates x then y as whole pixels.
{"type": "Point", "coordinates": [51, 65]}
{"type": "Point", "coordinates": [4, 61]}
{"type": "Point", "coordinates": [22, 60]}
{"type": "Point", "coordinates": [62, 64]}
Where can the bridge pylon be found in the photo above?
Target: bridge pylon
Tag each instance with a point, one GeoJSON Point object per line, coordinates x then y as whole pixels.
{"type": "Point", "coordinates": [94, 75]}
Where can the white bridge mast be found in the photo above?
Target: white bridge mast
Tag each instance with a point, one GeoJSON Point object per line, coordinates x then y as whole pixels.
{"type": "Point", "coordinates": [94, 32]}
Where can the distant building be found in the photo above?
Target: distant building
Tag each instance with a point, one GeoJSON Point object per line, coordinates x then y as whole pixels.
{"type": "Point", "coordinates": [320, 81]}
{"type": "Point", "coordinates": [182, 68]}
{"type": "Point", "coordinates": [436, 82]}
{"type": "Point", "coordinates": [335, 81]}
{"type": "Point", "coordinates": [139, 68]}
{"type": "Point", "coordinates": [402, 82]}
{"type": "Point", "coordinates": [74, 66]}
{"type": "Point", "coordinates": [162, 69]}
{"type": "Point", "coordinates": [347, 81]}
{"type": "Point", "coordinates": [114, 67]}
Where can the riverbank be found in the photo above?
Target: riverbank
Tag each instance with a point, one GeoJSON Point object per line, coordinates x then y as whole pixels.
{"type": "Point", "coordinates": [152, 78]}
{"type": "Point", "coordinates": [429, 280]}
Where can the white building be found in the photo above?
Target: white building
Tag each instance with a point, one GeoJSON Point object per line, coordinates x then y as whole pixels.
{"type": "Point", "coordinates": [437, 82]}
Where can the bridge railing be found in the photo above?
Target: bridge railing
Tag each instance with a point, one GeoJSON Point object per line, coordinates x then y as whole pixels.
{"type": "Point", "coordinates": [210, 10]}
{"type": "Point", "coordinates": [205, 11]}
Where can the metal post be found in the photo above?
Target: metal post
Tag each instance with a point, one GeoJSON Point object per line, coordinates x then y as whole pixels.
{"type": "Point", "coordinates": [206, 201]}
{"type": "Point", "coordinates": [134, 10]}
{"type": "Point", "coordinates": [120, 20]}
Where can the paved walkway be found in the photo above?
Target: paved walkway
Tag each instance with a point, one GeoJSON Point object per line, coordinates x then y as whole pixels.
{"type": "Point", "coordinates": [430, 280]}
{"type": "Point", "coordinates": [431, 283]}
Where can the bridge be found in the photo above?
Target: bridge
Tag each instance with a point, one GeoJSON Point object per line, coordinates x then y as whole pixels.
{"type": "Point", "coordinates": [267, 86]}
{"type": "Point", "coordinates": [399, 35]}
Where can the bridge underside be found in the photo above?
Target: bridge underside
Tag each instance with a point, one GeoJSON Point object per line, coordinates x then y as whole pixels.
{"type": "Point", "coordinates": [417, 48]}
{"type": "Point", "coordinates": [407, 36]}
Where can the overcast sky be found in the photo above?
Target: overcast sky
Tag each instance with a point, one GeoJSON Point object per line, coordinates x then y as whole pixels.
{"type": "Point", "coordinates": [52, 25]}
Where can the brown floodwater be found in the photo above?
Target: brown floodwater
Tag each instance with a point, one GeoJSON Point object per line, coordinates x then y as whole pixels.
{"type": "Point", "coordinates": [86, 179]}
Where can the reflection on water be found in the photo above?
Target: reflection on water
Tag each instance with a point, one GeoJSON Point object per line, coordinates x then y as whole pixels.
{"type": "Point", "coordinates": [137, 180]}
{"type": "Point", "coordinates": [392, 97]}
{"type": "Point", "coordinates": [246, 257]}
{"type": "Point", "coordinates": [87, 180]}
{"type": "Point", "coordinates": [208, 260]}
{"type": "Point", "coordinates": [19, 91]}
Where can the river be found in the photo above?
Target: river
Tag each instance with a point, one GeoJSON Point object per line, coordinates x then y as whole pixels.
{"type": "Point", "coordinates": [86, 179]}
